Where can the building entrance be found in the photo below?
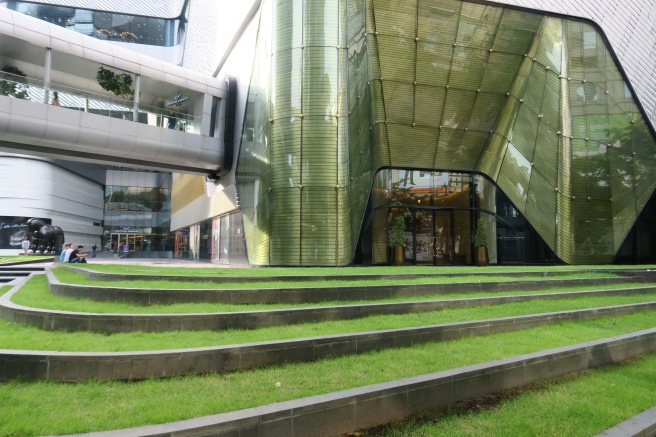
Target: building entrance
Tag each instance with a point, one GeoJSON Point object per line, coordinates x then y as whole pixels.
{"type": "Point", "coordinates": [440, 211]}
{"type": "Point", "coordinates": [135, 242]}
{"type": "Point", "coordinates": [434, 237]}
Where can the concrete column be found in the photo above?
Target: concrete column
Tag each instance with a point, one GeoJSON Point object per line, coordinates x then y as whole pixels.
{"type": "Point", "coordinates": [137, 90]}
{"type": "Point", "coordinates": [46, 75]}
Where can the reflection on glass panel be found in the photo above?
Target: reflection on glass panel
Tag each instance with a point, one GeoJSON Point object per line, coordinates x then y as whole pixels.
{"type": "Point", "coordinates": [142, 212]}
{"type": "Point", "coordinates": [105, 25]}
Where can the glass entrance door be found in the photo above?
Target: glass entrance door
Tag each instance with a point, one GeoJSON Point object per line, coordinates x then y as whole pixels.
{"type": "Point", "coordinates": [434, 239]}
{"type": "Point", "coordinates": [443, 237]}
{"type": "Point", "coordinates": [135, 242]}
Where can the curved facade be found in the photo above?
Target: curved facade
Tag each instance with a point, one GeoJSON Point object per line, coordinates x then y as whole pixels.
{"type": "Point", "coordinates": [74, 203]}
{"type": "Point", "coordinates": [535, 103]}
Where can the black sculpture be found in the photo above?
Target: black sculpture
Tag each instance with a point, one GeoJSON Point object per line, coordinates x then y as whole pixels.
{"type": "Point", "coordinates": [45, 238]}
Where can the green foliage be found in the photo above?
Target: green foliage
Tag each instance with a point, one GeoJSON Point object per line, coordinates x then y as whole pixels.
{"type": "Point", "coordinates": [96, 406]}
{"type": "Point", "coordinates": [15, 85]}
{"type": "Point", "coordinates": [481, 233]}
{"type": "Point", "coordinates": [398, 234]}
{"type": "Point", "coordinates": [119, 84]}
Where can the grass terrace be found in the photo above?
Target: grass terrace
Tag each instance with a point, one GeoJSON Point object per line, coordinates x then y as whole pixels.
{"type": "Point", "coordinates": [576, 405]}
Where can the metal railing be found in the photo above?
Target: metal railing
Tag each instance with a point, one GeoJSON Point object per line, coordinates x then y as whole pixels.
{"type": "Point", "coordinates": [79, 100]}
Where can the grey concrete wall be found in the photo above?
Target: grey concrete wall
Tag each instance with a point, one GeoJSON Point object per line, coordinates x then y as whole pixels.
{"type": "Point", "coordinates": [343, 411]}
{"type": "Point", "coordinates": [62, 366]}
{"type": "Point", "coordinates": [640, 425]}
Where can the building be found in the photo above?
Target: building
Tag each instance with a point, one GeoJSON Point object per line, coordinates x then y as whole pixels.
{"type": "Point", "coordinates": [98, 204]}
{"type": "Point", "coordinates": [537, 117]}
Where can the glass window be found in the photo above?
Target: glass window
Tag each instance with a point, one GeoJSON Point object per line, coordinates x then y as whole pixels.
{"type": "Point", "coordinates": [105, 25]}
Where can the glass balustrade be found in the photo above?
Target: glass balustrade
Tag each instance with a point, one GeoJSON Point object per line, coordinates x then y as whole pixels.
{"type": "Point", "coordinates": [79, 100]}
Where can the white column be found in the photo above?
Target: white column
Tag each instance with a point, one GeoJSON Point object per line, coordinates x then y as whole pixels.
{"type": "Point", "coordinates": [137, 88]}
{"type": "Point", "coordinates": [46, 75]}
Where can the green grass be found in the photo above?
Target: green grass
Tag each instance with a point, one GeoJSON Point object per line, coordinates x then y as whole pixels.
{"type": "Point", "coordinates": [575, 405]}
{"type": "Point", "coordinates": [54, 408]}
{"type": "Point", "coordinates": [17, 336]}
{"type": "Point", "coordinates": [34, 293]}
{"type": "Point", "coordinates": [211, 270]}
{"type": "Point", "coordinates": [70, 277]}
{"type": "Point", "coordinates": [9, 259]}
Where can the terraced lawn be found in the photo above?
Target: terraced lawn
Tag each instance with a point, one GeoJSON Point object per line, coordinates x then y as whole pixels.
{"type": "Point", "coordinates": [211, 270]}
{"type": "Point", "coordinates": [92, 406]}
{"type": "Point", "coordinates": [577, 405]}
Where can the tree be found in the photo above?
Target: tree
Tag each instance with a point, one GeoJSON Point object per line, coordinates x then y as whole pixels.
{"type": "Point", "coordinates": [119, 84]}
{"type": "Point", "coordinates": [398, 235]}
{"type": "Point", "coordinates": [481, 233]}
{"type": "Point", "coordinates": [15, 85]}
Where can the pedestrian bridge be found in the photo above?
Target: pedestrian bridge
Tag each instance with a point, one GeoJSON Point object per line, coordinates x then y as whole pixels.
{"type": "Point", "coordinates": [170, 118]}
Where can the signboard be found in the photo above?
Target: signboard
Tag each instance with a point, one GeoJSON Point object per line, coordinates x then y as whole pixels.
{"type": "Point", "coordinates": [177, 99]}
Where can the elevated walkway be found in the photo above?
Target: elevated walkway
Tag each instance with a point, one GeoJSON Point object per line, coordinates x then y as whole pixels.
{"type": "Point", "coordinates": [172, 120]}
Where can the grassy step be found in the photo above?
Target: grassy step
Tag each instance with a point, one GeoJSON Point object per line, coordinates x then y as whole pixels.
{"type": "Point", "coordinates": [576, 405]}
{"type": "Point", "coordinates": [156, 292]}
{"type": "Point", "coordinates": [225, 275]}
{"type": "Point", "coordinates": [95, 406]}
{"type": "Point", "coordinates": [150, 322]}
{"type": "Point", "coordinates": [76, 367]}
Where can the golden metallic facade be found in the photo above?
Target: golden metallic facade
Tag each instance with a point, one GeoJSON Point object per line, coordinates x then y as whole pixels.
{"type": "Point", "coordinates": [341, 89]}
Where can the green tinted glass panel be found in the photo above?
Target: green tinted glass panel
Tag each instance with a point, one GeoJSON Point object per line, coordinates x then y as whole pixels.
{"type": "Point", "coordinates": [397, 58]}
{"type": "Point", "coordinates": [541, 207]}
{"type": "Point", "coordinates": [457, 108]}
{"type": "Point", "coordinates": [429, 102]}
{"type": "Point", "coordinates": [438, 21]}
{"type": "Point", "coordinates": [287, 83]}
{"type": "Point", "coordinates": [478, 25]}
{"type": "Point", "coordinates": [286, 153]}
{"type": "Point", "coordinates": [433, 63]}
{"type": "Point", "coordinates": [319, 155]}
{"type": "Point", "coordinates": [485, 111]}
{"type": "Point", "coordinates": [514, 176]}
{"type": "Point", "coordinates": [545, 157]}
{"type": "Point", "coordinates": [285, 238]}
{"type": "Point", "coordinates": [399, 101]}
{"type": "Point", "coordinates": [500, 72]}
{"type": "Point", "coordinates": [320, 23]}
{"type": "Point", "coordinates": [320, 79]}
{"type": "Point", "coordinates": [468, 67]}
{"type": "Point", "coordinates": [397, 19]}
{"type": "Point", "coordinates": [516, 31]}
{"type": "Point", "coordinates": [319, 226]}
{"type": "Point", "coordinates": [288, 31]}
{"type": "Point", "coordinates": [526, 131]}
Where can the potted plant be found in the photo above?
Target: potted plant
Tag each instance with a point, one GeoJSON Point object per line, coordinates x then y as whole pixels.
{"type": "Point", "coordinates": [480, 242]}
{"type": "Point", "coordinates": [398, 241]}
{"type": "Point", "coordinates": [15, 85]}
{"type": "Point", "coordinates": [119, 84]}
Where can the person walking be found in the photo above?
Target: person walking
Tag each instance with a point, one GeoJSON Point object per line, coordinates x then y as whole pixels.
{"type": "Point", "coordinates": [55, 99]}
{"type": "Point", "coordinates": [93, 250]}
{"type": "Point", "coordinates": [126, 249]}
{"type": "Point", "coordinates": [25, 244]}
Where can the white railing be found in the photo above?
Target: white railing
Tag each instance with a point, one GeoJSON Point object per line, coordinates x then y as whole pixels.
{"type": "Point", "coordinates": [80, 100]}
